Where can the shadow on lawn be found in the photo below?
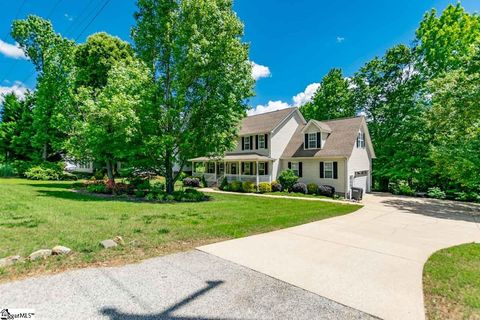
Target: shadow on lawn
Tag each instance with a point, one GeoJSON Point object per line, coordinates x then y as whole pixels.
{"type": "Point", "coordinates": [72, 195]}
{"type": "Point", "coordinates": [167, 314]}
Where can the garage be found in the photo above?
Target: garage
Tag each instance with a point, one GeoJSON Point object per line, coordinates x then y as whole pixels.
{"type": "Point", "coordinates": [360, 180]}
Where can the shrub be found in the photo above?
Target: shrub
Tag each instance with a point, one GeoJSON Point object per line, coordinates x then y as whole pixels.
{"type": "Point", "coordinates": [299, 187]}
{"type": "Point", "coordinates": [312, 188]}
{"type": "Point", "coordinates": [224, 184]}
{"type": "Point", "coordinates": [97, 188]}
{"type": "Point", "coordinates": [20, 167]}
{"type": "Point", "coordinates": [67, 176]}
{"type": "Point", "coordinates": [150, 196]}
{"type": "Point", "coordinates": [467, 196]}
{"type": "Point", "coordinates": [277, 186]}
{"type": "Point", "coordinates": [6, 170]}
{"type": "Point", "coordinates": [191, 182]}
{"type": "Point", "coordinates": [235, 186]}
{"type": "Point", "coordinates": [325, 190]}
{"type": "Point", "coordinates": [204, 182]}
{"type": "Point", "coordinates": [288, 178]}
{"type": "Point", "coordinates": [144, 185]}
{"type": "Point", "coordinates": [121, 188]}
{"type": "Point", "coordinates": [248, 187]}
{"type": "Point", "coordinates": [157, 187]}
{"type": "Point", "coordinates": [264, 187]}
{"type": "Point", "coordinates": [401, 187]}
{"type": "Point", "coordinates": [189, 195]}
{"type": "Point", "coordinates": [182, 176]}
{"type": "Point", "coordinates": [46, 171]}
{"type": "Point", "coordinates": [99, 174]}
{"type": "Point", "coordinates": [126, 172]}
{"type": "Point", "coordinates": [436, 193]}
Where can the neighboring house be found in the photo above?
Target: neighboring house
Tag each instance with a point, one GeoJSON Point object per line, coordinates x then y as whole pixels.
{"type": "Point", "coordinates": [338, 153]}
{"type": "Point", "coordinates": [83, 167]}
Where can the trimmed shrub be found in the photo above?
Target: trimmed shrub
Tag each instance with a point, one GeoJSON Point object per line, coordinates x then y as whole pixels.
{"type": "Point", "coordinates": [248, 186]}
{"type": "Point", "coordinates": [436, 193]}
{"type": "Point", "coordinates": [288, 178]}
{"type": "Point", "coordinates": [191, 183]}
{"type": "Point", "coordinates": [264, 187]}
{"type": "Point", "coordinates": [48, 171]}
{"type": "Point", "coordinates": [312, 188]}
{"type": "Point", "coordinates": [299, 187]}
{"type": "Point", "coordinates": [189, 195]}
{"type": "Point", "coordinates": [224, 184]}
{"type": "Point", "coordinates": [276, 186]}
{"type": "Point", "coordinates": [97, 188]}
{"type": "Point", "coordinates": [235, 186]}
{"type": "Point", "coordinates": [325, 190]}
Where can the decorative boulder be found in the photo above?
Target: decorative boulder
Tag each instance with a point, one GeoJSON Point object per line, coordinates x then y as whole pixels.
{"type": "Point", "coordinates": [40, 254]}
{"type": "Point", "coordinates": [109, 243]}
{"type": "Point", "coordinates": [61, 250]}
{"type": "Point", "coordinates": [8, 261]}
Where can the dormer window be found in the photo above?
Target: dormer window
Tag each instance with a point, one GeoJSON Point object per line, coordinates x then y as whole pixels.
{"type": "Point", "coordinates": [361, 140]}
{"type": "Point", "coordinates": [313, 140]}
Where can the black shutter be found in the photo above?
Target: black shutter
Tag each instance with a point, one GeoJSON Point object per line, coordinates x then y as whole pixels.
{"type": "Point", "coordinates": [319, 140]}
{"type": "Point", "coordinates": [322, 174]}
{"type": "Point", "coordinates": [251, 143]}
{"type": "Point", "coordinates": [243, 168]}
{"type": "Point", "coordinates": [289, 165]}
{"type": "Point", "coordinates": [256, 142]}
{"type": "Point", "coordinates": [266, 141]}
{"type": "Point", "coordinates": [243, 143]}
{"type": "Point", "coordinates": [300, 169]}
{"type": "Point", "coordinates": [335, 170]}
{"type": "Point", "coordinates": [358, 141]}
{"type": "Point", "coordinates": [266, 168]}
{"type": "Point", "coordinates": [305, 143]}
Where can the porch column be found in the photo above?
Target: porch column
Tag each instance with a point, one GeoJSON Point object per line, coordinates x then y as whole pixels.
{"type": "Point", "coordinates": [215, 163]}
{"type": "Point", "coordinates": [258, 180]}
{"type": "Point", "coordinates": [225, 169]}
{"type": "Point", "coordinates": [193, 168]}
{"type": "Point", "coordinates": [238, 171]}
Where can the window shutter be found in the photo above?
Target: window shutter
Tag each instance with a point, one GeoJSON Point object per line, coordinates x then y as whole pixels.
{"type": "Point", "coordinates": [256, 141]}
{"type": "Point", "coordinates": [266, 141]}
{"type": "Point", "coordinates": [266, 168]}
{"type": "Point", "coordinates": [322, 173]}
{"type": "Point", "coordinates": [319, 140]}
{"type": "Point", "coordinates": [251, 143]}
{"type": "Point", "coordinates": [300, 169]}
{"type": "Point", "coordinates": [243, 168]}
{"type": "Point", "coordinates": [289, 165]}
{"type": "Point", "coordinates": [243, 143]}
{"type": "Point", "coordinates": [335, 170]}
{"type": "Point", "coordinates": [305, 142]}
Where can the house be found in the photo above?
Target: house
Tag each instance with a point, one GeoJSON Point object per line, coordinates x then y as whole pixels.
{"type": "Point", "coordinates": [338, 153]}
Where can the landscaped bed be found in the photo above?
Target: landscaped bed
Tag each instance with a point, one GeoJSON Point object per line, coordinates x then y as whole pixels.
{"type": "Point", "coordinates": [39, 214]}
{"type": "Point", "coordinates": [451, 280]}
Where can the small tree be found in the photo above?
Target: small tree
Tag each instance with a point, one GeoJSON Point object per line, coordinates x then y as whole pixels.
{"type": "Point", "coordinates": [288, 178]}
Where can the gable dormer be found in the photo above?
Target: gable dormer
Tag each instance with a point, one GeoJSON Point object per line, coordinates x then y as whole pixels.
{"type": "Point", "coordinates": [315, 133]}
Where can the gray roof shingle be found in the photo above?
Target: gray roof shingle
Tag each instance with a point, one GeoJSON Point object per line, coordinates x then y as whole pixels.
{"type": "Point", "coordinates": [265, 122]}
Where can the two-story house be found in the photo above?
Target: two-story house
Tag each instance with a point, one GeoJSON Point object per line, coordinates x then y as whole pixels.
{"type": "Point", "coordinates": [337, 152]}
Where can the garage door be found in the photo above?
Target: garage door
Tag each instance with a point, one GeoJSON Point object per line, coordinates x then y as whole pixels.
{"type": "Point", "coordinates": [360, 180]}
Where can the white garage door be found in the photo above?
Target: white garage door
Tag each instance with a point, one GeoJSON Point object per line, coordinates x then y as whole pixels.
{"type": "Point", "coordinates": [361, 180]}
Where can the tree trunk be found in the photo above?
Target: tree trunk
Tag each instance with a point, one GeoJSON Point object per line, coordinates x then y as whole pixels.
{"type": "Point", "coordinates": [111, 178]}
{"type": "Point", "coordinates": [169, 183]}
{"type": "Point", "coordinates": [44, 153]}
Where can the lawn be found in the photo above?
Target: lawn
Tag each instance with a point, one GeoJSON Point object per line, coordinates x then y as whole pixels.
{"type": "Point", "coordinates": [35, 215]}
{"type": "Point", "coordinates": [451, 280]}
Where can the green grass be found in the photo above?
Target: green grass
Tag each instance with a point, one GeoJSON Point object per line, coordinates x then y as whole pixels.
{"type": "Point", "coordinates": [451, 279]}
{"type": "Point", "coordinates": [296, 195]}
{"type": "Point", "coordinates": [36, 214]}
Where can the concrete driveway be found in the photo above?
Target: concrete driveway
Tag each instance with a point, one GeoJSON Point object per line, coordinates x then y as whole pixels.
{"type": "Point", "coordinates": [371, 260]}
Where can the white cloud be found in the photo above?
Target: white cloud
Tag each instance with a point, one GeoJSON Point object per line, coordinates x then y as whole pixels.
{"type": "Point", "coordinates": [18, 88]}
{"type": "Point", "coordinates": [11, 50]}
{"type": "Point", "coordinates": [305, 96]}
{"type": "Point", "coordinates": [68, 17]}
{"type": "Point", "coordinates": [340, 39]}
{"type": "Point", "coordinates": [259, 71]}
{"type": "Point", "coordinates": [271, 106]}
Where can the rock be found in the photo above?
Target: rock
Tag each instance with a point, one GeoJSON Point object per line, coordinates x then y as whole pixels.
{"type": "Point", "coordinates": [109, 243]}
{"type": "Point", "coordinates": [60, 250]}
{"type": "Point", "coordinates": [119, 240]}
{"type": "Point", "coordinates": [8, 261]}
{"type": "Point", "coordinates": [40, 254]}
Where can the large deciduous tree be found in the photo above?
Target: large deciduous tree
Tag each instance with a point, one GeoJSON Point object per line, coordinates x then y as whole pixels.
{"type": "Point", "coordinates": [202, 77]}
{"type": "Point", "coordinates": [332, 100]}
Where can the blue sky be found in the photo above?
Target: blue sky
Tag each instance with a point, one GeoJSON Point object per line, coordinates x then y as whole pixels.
{"type": "Point", "coordinates": [293, 42]}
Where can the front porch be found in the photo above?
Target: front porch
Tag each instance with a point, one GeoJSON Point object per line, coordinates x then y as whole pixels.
{"type": "Point", "coordinates": [254, 169]}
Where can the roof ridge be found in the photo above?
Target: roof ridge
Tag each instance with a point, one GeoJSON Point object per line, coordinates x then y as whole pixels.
{"type": "Point", "coordinates": [261, 114]}
{"type": "Point", "coordinates": [338, 119]}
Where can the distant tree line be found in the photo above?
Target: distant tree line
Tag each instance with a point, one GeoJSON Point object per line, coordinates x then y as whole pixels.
{"type": "Point", "coordinates": [422, 103]}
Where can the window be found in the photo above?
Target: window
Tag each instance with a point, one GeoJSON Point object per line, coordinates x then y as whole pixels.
{"type": "Point", "coordinates": [312, 140]}
{"type": "Point", "coordinates": [233, 168]}
{"type": "Point", "coordinates": [246, 143]}
{"type": "Point", "coordinates": [261, 168]}
{"type": "Point", "coordinates": [247, 168]}
{"type": "Point", "coordinates": [361, 140]}
{"type": "Point", "coordinates": [295, 168]}
{"type": "Point", "coordinates": [328, 170]}
{"type": "Point", "coordinates": [211, 167]}
{"type": "Point", "coordinates": [261, 141]}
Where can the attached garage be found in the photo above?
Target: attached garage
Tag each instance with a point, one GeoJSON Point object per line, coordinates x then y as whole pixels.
{"type": "Point", "coordinates": [360, 180]}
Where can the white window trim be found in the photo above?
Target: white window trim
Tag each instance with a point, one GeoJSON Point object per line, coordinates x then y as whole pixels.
{"type": "Point", "coordinates": [261, 141]}
{"type": "Point", "coordinates": [314, 134]}
{"type": "Point", "coordinates": [261, 168]}
{"type": "Point", "coordinates": [325, 170]}
{"type": "Point", "coordinates": [246, 141]}
{"type": "Point", "coordinates": [361, 140]}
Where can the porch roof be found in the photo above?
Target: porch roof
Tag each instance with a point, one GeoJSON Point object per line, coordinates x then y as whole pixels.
{"type": "Point", "coordinates": [236, 157]}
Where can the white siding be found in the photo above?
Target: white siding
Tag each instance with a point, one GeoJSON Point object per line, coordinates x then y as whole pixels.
{"type": "Point", "coordinates": [311, 172]}
{"type": "Point", "coordinates": [360, 160]}
{"type": "Point", "coordinates": [280, 139]}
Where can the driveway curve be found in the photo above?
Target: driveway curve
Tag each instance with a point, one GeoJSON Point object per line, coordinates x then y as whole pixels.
{"type": "Point", "coordinates": [371, 260]}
